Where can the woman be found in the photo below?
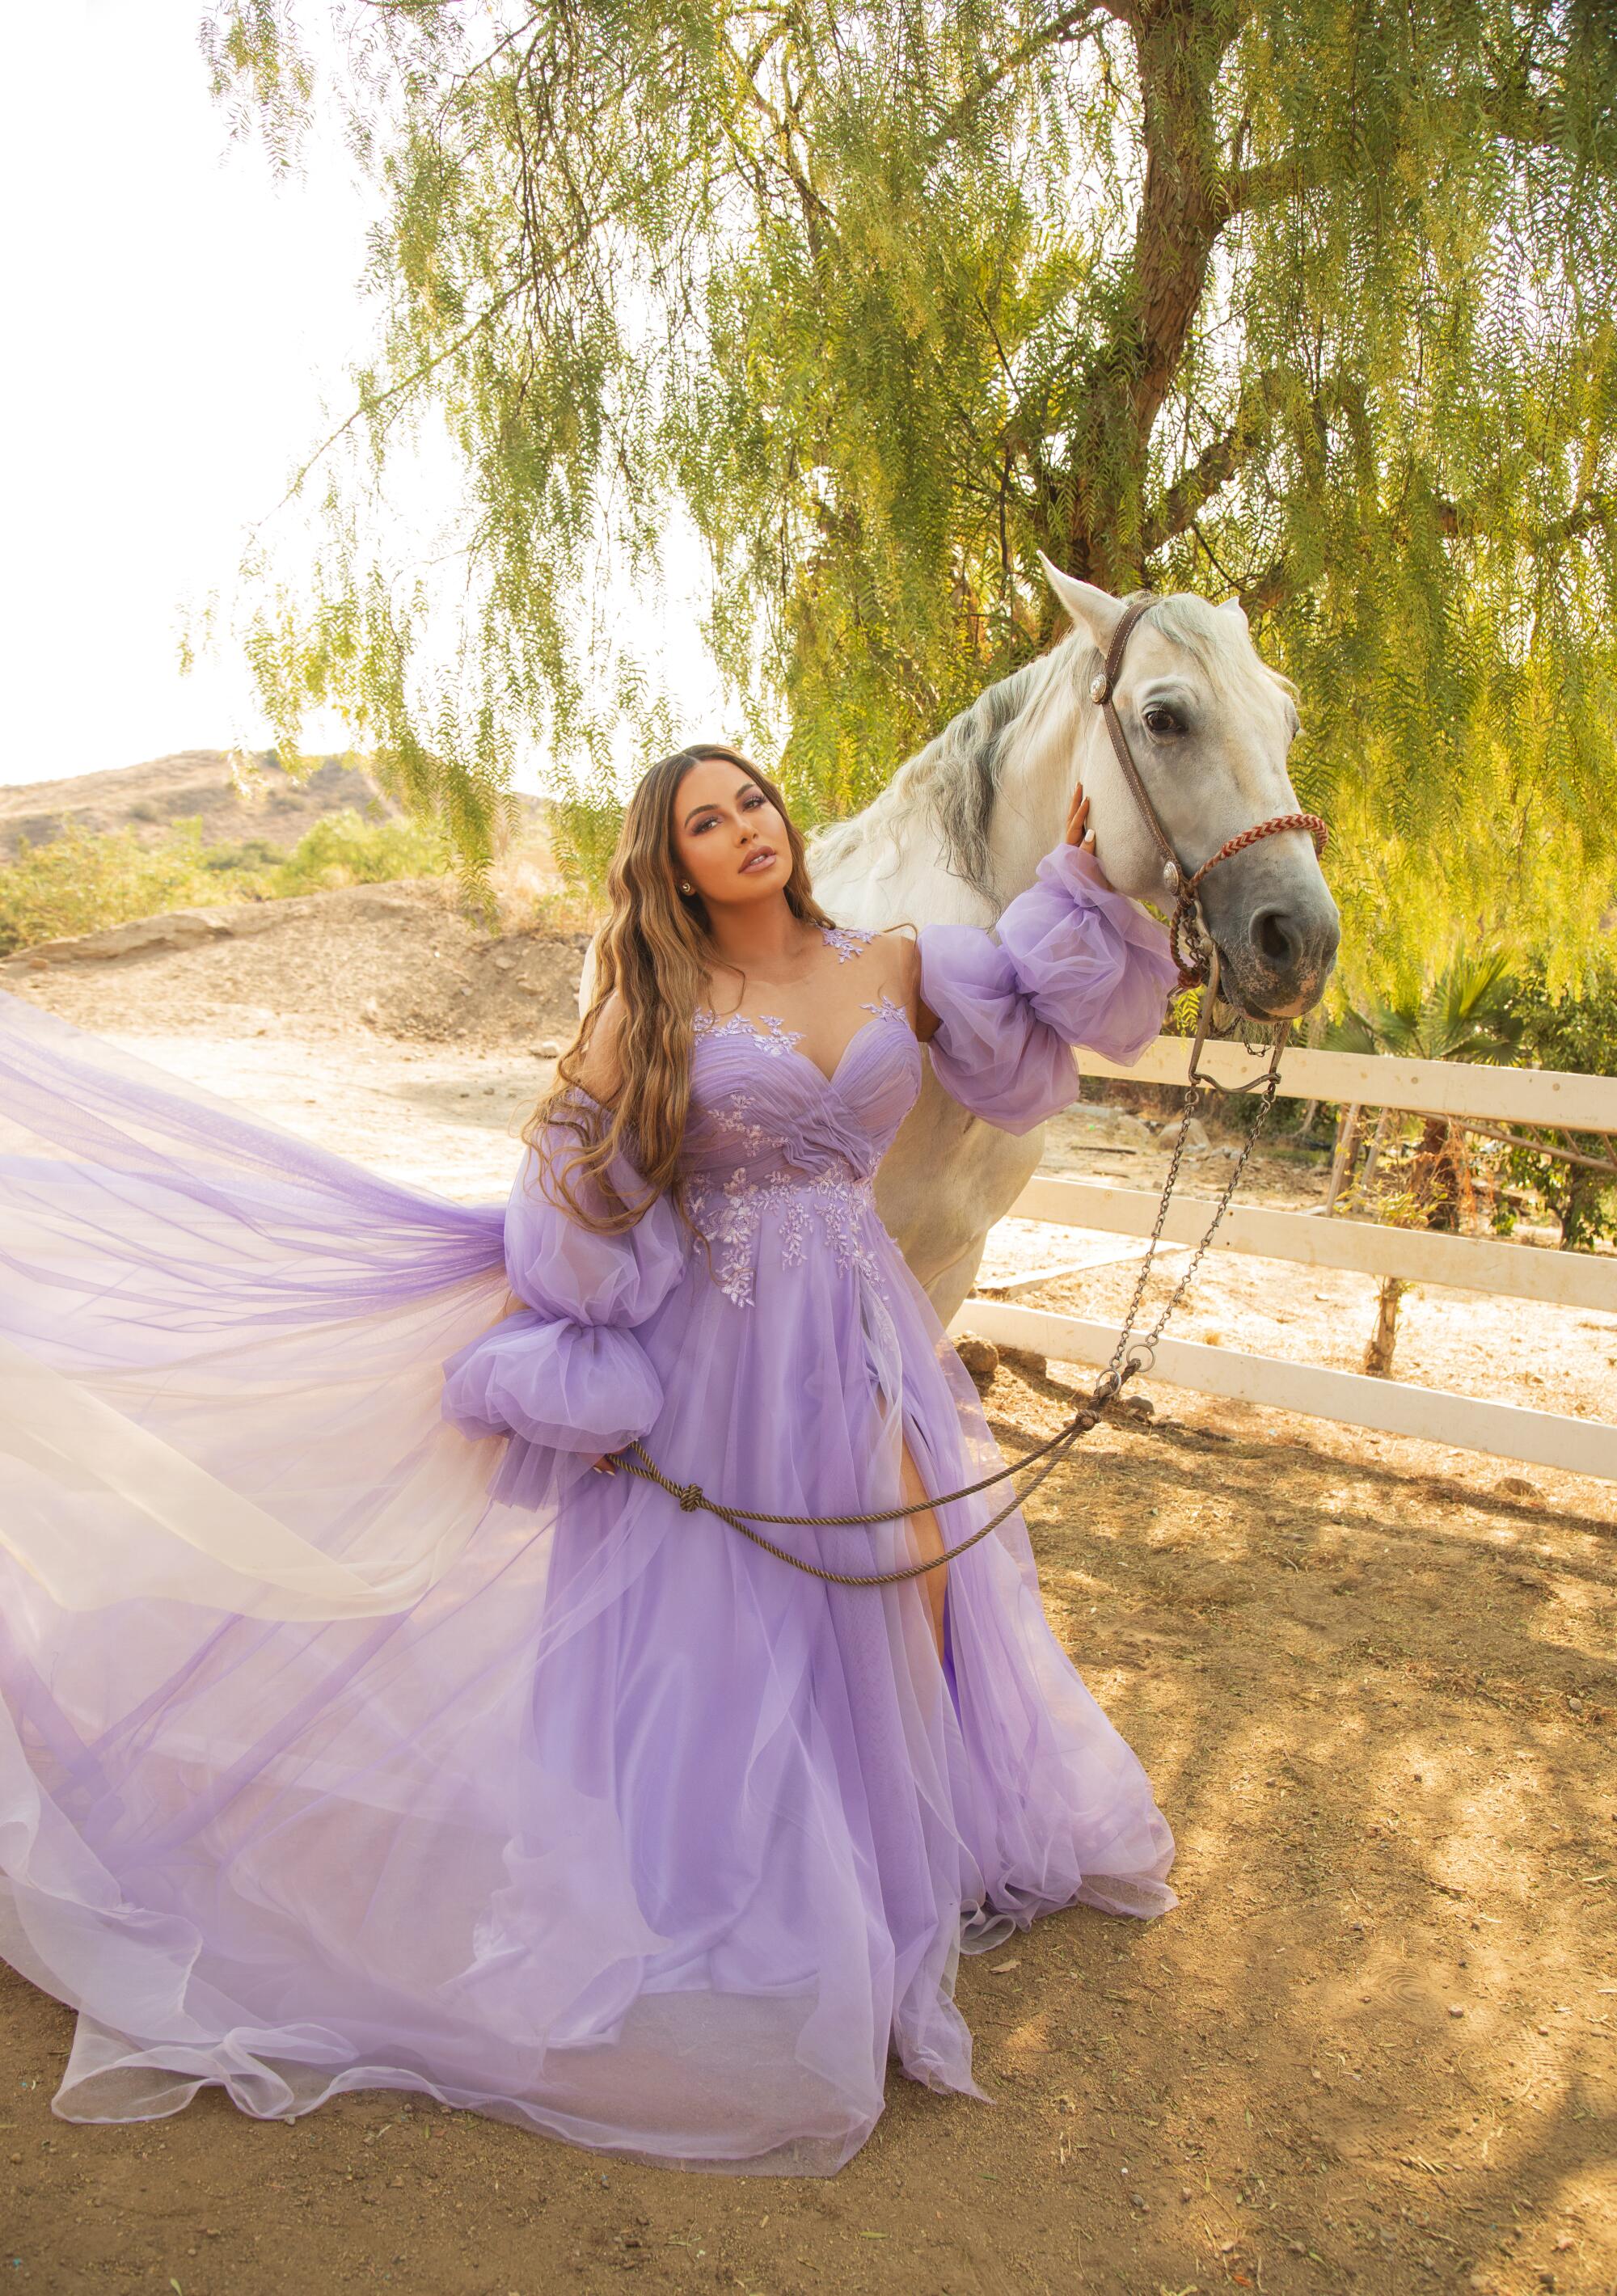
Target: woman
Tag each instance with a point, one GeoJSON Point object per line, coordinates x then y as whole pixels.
{"type": "Point", "coordinates": [366, 1723]}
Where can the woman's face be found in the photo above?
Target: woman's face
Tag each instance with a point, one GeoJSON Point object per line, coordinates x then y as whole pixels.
{"type": "Point", "coordinates": [729, 838]}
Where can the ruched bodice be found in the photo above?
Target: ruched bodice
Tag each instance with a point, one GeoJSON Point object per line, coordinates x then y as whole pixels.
{"type": "Point", "coordinates": [774, 1144]}
{"type": "Point", "coordinates": [752, 1088]}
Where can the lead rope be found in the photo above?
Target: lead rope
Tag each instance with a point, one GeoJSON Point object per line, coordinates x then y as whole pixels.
{"type": "Point", "coordinates": [1125, 1365]}
{"type": "Point", "coordinates": [1196, 955]}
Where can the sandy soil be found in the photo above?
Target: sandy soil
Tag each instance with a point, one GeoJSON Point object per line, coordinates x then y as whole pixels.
{"type": "Point", "coordinates": [1373, 2047]}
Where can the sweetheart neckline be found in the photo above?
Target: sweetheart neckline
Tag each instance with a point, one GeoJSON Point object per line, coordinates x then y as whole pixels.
{"type": "Point", "coordinates": [894, 1010]}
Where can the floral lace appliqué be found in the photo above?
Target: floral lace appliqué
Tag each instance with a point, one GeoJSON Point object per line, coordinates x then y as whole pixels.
{"type": "Point", "coordinates": [774, 1037]}
{"type": "Point", "coordinates": [731, 1216]}
{"type": "Point", "coordinates": [730, 1115]}
{"type": "Point", "coordinates": [885, 1008]}
{"type": "Point", "coordinates": [847, 940]}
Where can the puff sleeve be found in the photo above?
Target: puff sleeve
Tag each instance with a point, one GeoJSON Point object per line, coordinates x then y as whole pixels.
{"type": "Point", "coordinates": [566, 1373]}
{"type": "Point", "coordinates": [1072, 961]}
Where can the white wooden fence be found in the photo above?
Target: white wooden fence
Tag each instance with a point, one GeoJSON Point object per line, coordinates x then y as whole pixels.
{"type": "Point", "coordinates": [1491, 1096]}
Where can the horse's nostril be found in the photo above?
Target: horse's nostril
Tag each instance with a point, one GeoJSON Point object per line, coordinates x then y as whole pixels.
{"type": "Point", "coordinates": [1276, 937]}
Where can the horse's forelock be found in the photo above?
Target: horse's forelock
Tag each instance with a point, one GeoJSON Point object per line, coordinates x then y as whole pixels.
{"type": "Point", "coordinates": [1221, 644]}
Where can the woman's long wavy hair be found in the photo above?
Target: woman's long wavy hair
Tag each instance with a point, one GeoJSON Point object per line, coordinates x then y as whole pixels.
{"type": "Point", "coordinates": [654, 950]}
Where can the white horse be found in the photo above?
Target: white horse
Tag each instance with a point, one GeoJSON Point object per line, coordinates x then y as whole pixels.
{"type": "Point", "coordinates": [959, 830]}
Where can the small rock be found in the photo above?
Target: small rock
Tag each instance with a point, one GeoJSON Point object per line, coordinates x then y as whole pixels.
{"type": "Point", "coordinates": [1517, 1486]}
{"type": "Point", "coordinates": [1195, 1138]}
{"type": "Point", "coordinates": [980, 1357]}
{"type": "Point", "coordinates": [1454, 2009]}
{"type": "Point", "coordinates": [1113, 1127]}
{"type": "Point", "coordinates": [548, 1049]}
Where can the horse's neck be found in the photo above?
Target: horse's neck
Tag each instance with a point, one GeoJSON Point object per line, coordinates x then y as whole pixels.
{"type": "Point", "coordinates": [893, 861]}
{"type": "Point", "coordinates": [1040, 759]}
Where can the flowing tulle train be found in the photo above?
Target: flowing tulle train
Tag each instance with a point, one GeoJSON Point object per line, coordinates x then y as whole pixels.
{"type": "Point", "coordinates": [350, 1737]}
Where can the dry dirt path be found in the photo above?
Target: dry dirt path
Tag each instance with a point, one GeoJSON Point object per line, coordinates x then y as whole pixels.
{"type": "Point", "coordinates": [1372, 2048]}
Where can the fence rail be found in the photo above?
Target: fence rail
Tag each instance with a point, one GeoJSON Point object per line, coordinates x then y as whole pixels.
{"type": "Point", "coordinates": [1309, 1238]}
{"type": "Point", "coordinates": [1503, 1096]}
{"type": "Point", "coordinates": [1467, 1263]}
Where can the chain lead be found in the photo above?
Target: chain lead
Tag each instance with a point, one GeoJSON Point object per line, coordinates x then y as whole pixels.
{"type": "Point", "coordinates": [1125, 1365]}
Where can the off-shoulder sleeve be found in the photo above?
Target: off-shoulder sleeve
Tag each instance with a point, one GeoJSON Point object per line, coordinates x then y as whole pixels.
{"type": "Point", "coordinates": [1072, 961]}
{"type": "Point", "coordinates": [566, 1373]}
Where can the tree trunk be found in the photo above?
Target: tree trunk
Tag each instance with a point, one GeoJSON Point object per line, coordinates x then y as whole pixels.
{"type": "Point", "coordinates": [1377, 1142]}
{"type": "Point", "coordinates": [1383, 1339]}
{"type": "Point", "coordinates": [1439, 1177]}
{"type": "Point", "coordinates": [1183, 207]}
{"type": "Point", "coordinates": [1341, 1162]}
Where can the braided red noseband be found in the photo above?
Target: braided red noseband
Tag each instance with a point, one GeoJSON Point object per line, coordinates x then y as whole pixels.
{"type": "Point", "coordinates": [1195, 968]}
{"type": "Point", "coordinates": [1187, 928]}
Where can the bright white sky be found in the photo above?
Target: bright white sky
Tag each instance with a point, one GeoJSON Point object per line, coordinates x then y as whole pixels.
{"type": "Point", "coordinates": [178, 316]}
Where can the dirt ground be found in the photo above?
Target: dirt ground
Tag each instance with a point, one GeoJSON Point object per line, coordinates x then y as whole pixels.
{"type": "Point", "coordinates": [1372, 2048]}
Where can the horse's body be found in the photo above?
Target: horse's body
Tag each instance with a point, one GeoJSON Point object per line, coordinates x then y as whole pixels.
{"type": "Point", "coordinates": [959, 830]}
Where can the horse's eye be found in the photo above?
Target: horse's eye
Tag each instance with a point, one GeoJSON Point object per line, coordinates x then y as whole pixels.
{"type": "Point", "coordinates": [1159, 720]}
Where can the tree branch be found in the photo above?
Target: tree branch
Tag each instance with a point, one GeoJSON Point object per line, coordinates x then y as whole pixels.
{"type": "Point", "coordinates": [1213, 468]}
{"type": "Point", "coordinates": [1073, 25]}
{"type": "Point", "coordinates": [368, 406]}
{"type": "Point", "coordinates": [1244, 190]}
{"type": "Point", "coordinates": [1461, 522]}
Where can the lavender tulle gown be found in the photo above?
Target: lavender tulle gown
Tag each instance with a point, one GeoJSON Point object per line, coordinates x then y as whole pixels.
{"type": "Point", "coordinates": [353, 1735]}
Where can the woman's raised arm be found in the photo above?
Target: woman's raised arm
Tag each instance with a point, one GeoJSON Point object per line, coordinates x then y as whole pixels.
{"type": "Point", "coordinates": [1072, 961]}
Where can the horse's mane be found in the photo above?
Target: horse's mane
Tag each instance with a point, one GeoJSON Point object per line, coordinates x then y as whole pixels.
{"type": "Point", "coordinates": [953, 784]}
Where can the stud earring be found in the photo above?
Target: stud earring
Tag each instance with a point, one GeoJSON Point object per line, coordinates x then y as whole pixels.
{"type": "Point", "coordinates": [684, 888]}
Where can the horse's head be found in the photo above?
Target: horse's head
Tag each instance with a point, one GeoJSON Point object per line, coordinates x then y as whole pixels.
{"type": "Point", "coordinates": [1207, 724]}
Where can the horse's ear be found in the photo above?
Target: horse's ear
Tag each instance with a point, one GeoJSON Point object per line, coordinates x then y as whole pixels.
{"type": "Point", "coordinates": [1234, 606]}
{"type": "Point", "coordinates": [1093, 610]}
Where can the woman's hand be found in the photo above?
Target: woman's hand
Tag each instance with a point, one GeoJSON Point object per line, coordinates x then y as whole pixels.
{"type": "Point", "coordinates": [604, 1464]}
{"type": "Point", "coordinates": [1079, 832]}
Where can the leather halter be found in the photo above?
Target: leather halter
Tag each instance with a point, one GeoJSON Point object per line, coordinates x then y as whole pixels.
{"type": "Point", "coordinates": [1188, 927]}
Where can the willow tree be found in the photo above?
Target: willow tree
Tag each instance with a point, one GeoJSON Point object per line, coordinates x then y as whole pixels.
{"type": "Point", "coordinates": [1305, 300]}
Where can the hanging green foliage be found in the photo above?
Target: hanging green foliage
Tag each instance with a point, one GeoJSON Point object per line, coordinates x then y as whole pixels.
{"type": "Point", "coordinates": [1310, 301]}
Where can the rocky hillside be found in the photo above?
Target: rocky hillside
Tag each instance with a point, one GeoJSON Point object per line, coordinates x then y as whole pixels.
{"type": "Point", "coordinates": [151, 798]}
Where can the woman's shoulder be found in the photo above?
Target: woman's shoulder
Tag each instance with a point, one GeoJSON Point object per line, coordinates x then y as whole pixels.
{"type": "Point", "coordinates": [886, 943]}
{"type": "Point", "coordinates": [894, 953]}
{"type": "Point", "coordinates": [898, 947]}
